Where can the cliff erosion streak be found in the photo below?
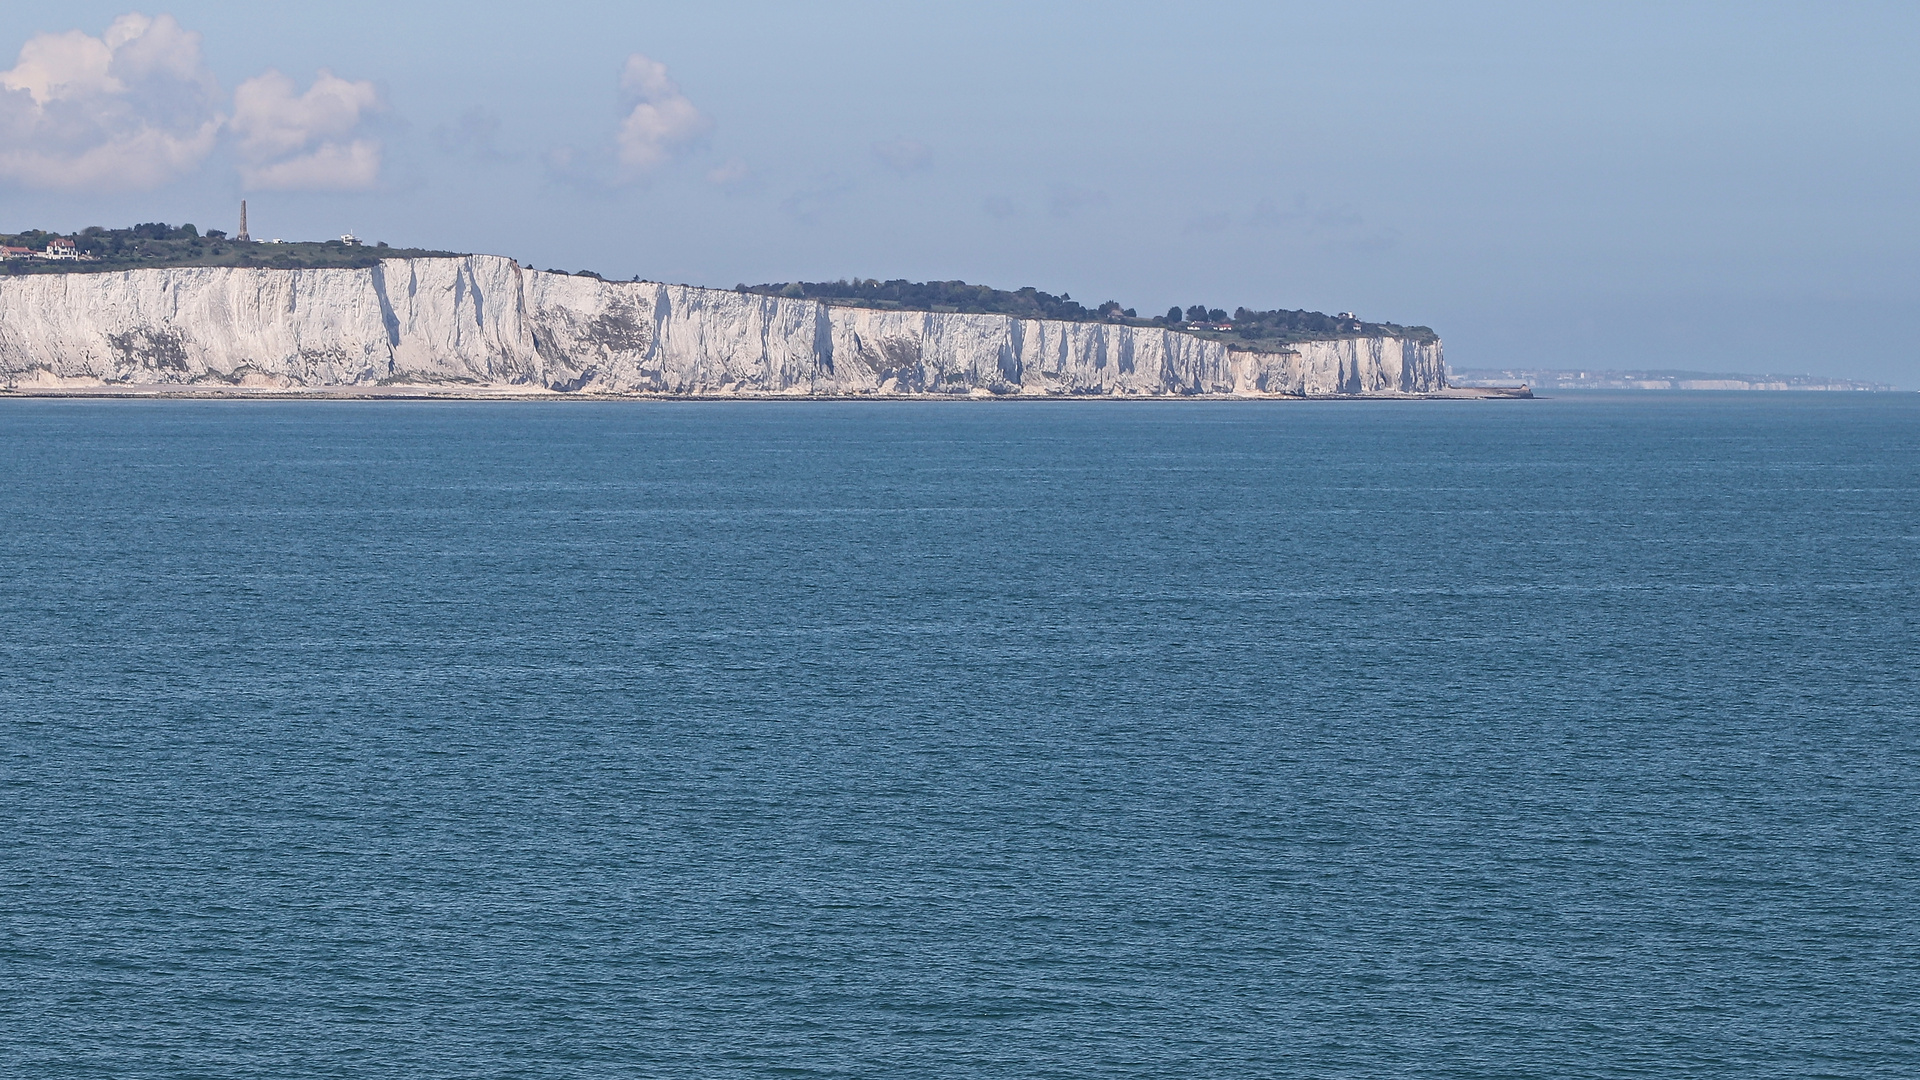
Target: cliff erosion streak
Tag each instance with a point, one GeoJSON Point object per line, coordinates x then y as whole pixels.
{"type": "Point", "coordinates": [483, 322]}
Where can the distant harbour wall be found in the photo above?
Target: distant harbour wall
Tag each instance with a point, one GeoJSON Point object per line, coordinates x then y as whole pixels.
{"type": "Point", "coordinates": [1571, 379]}
{"type": "Point", "coordinates": [484, 322]}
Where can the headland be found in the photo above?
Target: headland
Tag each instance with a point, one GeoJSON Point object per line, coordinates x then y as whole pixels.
{"type": "Point", "coordinates": [198, 316]}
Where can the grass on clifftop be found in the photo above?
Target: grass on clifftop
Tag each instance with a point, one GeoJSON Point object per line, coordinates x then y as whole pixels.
{"type": "Point", "coordinates": [158, 245]}
{"type": "Point", "coordinates": [1258, 331]}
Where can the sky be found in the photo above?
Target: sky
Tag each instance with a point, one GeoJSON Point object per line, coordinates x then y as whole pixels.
{"type": "Point", "coordinates": [1696, 186]}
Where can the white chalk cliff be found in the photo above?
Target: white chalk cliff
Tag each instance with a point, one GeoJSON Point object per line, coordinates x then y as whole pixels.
{"type": "Point", "coordinates": [483, 321]}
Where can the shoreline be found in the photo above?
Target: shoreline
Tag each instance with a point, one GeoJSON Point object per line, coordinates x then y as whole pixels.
{"type": "Point", "coordinates": [484, 326]}
{"type": "Point", "coordinates": [190, 392]}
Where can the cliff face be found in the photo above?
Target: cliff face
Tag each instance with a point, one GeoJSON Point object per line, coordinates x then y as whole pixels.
{"type": "Point", "coordinates": [482, 321]}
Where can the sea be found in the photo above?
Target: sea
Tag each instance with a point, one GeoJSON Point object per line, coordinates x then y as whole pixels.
{"type": "Point", "coordinates": [1577, 737]}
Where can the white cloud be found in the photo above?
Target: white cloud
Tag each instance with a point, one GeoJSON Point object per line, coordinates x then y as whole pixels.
{"type": "Point", "coordinates": [290, 140]}
{"type": "Point", "coordinates": [131, 109]}
{"type": "Point", "coordinates": [662, 120]}
{"type": "Point", "coordinates": [333, 167]}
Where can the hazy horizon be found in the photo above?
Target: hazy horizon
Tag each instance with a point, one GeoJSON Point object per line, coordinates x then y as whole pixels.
{"type": "Point", "coordinates": [1706, 188]}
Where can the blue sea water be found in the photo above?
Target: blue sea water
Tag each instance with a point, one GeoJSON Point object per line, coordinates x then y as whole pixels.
{"type": "Point", "coordinates": [1567, 738]}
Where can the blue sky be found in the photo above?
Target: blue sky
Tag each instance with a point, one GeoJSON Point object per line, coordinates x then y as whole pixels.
{"type": "Point", "coordinates": [1725, 187]}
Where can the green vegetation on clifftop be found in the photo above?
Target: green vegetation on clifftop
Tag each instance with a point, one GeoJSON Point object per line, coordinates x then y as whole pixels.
{"type": "Point", "coordinates": [156, 244]}
{"type": "Point", "coordinates": [1257, 331]}
{"type": "Point", "coordinates": [947, 296]}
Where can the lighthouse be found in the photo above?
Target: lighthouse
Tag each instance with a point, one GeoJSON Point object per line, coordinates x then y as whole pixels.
{"type": "Point", "coordinates": [243, 237]}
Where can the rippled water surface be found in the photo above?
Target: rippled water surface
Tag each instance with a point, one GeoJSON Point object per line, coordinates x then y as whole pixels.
{"type": "Point", "coordinates": [1551, 739]}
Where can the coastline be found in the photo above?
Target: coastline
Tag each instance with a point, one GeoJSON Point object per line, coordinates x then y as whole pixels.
{"type": "Point", "coordinates": [484, 326]}
{"type": "Point", "coordinates": [427, 392]}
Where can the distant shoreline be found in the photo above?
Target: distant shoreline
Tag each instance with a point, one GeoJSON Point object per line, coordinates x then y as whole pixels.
{"type": "Point", "coordinates": [1655, 379]}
